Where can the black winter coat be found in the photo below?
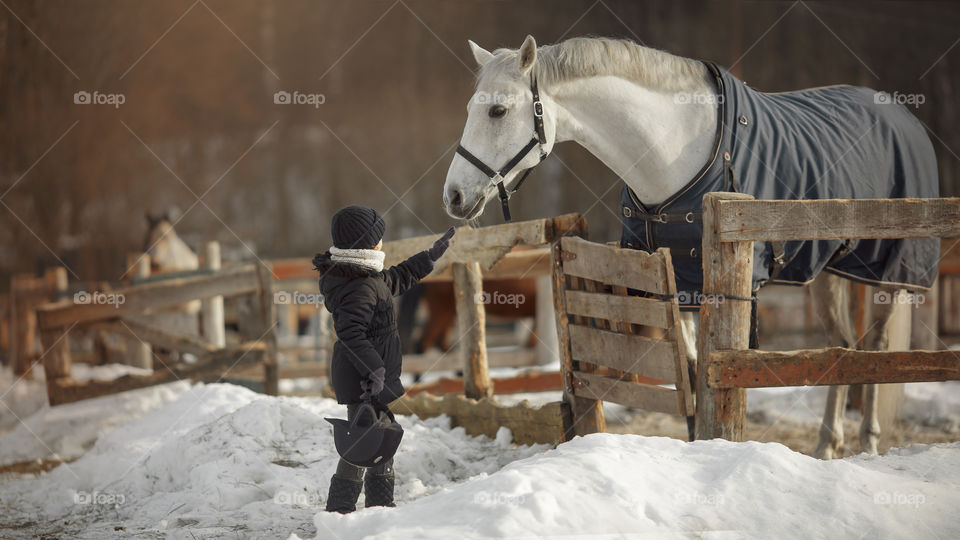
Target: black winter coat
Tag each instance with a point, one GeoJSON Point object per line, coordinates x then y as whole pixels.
{"type": "Point", "coordinates": [361, 301]}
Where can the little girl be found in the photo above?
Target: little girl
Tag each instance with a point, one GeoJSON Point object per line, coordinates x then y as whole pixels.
{"type": "Point", "coordinates": [366, 357]}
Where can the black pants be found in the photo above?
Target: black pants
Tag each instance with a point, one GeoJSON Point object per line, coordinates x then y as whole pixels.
{"type": "Point", "coordinates": [350, 471]}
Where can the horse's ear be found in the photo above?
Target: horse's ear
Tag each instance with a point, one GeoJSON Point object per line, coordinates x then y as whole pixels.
{"type": "Point", "coordinates": [528, 55]}
{"type": "Point", "coordinates": [481, 55]}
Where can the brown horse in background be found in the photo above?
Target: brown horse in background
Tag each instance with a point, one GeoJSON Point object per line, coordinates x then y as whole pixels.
{"type": "Point", "coordinates": [440, 302]}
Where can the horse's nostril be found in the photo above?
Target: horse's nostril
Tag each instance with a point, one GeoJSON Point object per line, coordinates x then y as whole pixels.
{"type": "Point", "coordinates": [457, 198]}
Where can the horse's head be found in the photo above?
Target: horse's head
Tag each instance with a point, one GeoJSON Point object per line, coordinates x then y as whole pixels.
{"type": "Point", "coordinates": [500, 124]}
{"type": "Point", "coordinates": [167, 251]}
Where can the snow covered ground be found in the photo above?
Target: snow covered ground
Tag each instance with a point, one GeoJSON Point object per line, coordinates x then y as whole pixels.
{"type": "Point", "coordinates": [616, 486]}
{"type": "Point", "coordinates": [213, 461]}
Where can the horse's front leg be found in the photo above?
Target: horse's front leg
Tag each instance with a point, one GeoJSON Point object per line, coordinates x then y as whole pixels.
{"type": "Point", "coordinates": [870, 425]}
{"type": "Point", "coordinates": [830, 440]}
{"type": "Point", "coordinates": [876, 338]}
{"type": "Point", "coordinates": [831, 299]}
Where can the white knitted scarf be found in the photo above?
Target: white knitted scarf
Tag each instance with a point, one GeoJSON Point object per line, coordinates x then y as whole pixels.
{"type": "Point", "coordinates": [371, 259]}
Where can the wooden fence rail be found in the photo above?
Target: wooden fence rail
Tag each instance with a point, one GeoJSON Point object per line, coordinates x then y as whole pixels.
{"type": "Point", "coordinates": [731, 223]}
{"type": "Point", "coordinates": [827, 367]}
{"type": "Point", "coordinates": [745, 219]}
{"type": "Point", "coordinates": [128, 312]}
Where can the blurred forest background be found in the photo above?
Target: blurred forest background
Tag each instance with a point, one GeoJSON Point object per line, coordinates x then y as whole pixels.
{"type": "Point", "coordinates": [199, 130]}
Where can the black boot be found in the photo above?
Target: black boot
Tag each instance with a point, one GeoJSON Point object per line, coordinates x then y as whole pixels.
{"type": "Point", "coordinates": [379, 489]}
{"type": "Point", "coordinates": [343, 495]}
{"type": "Point", "coordinates": [378, 485]}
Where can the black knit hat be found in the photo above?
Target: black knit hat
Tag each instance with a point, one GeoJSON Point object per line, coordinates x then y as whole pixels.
{"type": "Point", "coordinates": [357, 227]}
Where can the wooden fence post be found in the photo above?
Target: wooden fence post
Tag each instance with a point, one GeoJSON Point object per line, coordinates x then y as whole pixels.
{"type": "Point", "coordinates": [56, 341]}
{"type": "Point", "coordinates": [212, 308]}
{"type": "Point", "coordinates": [580, 415]}
{"type": "Point", "coordinates": [724, 321]}
{"type": "Point", "coordinates": [471, 317]}
{"type": "Point", "coordinates": [22, 325]}
{"type": "Point", "coordinates": [57, 282]}
{"type": "Point", "coordinates": [141, 353]}
{"type": "Point", "coordinates": [268, 320]}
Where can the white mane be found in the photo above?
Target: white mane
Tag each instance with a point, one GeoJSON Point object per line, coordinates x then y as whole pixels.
{"type": "Point", "coordinates": [589, 57]}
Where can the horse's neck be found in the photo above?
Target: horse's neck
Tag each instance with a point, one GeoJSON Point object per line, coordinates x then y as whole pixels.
{"type": "Point", "coordinates": [654, 140]}
{"type": "Point", "coordinates": [172, 253]}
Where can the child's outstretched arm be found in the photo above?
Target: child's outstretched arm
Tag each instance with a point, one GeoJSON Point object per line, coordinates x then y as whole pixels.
{"type": "Point", "coordinates": [401, 277]}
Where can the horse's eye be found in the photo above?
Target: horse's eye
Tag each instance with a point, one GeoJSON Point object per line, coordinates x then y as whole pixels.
{"type": "Point", "coordinates": [497, 111]}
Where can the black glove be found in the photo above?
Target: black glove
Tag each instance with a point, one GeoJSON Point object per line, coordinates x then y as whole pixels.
{"type": "Point", "coordinates": [441, 245]}
{"type": "Point", "coordinates": [373, 384]}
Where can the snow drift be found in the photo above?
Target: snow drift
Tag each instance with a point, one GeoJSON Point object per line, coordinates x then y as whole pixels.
{"type": "Point", "coordinates": [212, 461]}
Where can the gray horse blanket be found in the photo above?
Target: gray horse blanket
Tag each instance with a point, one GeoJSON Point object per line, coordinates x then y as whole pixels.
{"type": "Point", "coordinates": [842, 142]}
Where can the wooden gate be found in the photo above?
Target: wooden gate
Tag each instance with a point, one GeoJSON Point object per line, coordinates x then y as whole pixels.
{"type": "Point", "coordinates": [603, 357]}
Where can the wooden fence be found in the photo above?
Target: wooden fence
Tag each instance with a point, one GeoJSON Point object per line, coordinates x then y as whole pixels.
{"type": "Point", "coordinates": [508, 251]}
{"type": "Point", "coordinates": [731, 223]}
{"type": "Point", "coordinates": [603, 357]}
{"type": "Point", "coordinates": [129, 309]}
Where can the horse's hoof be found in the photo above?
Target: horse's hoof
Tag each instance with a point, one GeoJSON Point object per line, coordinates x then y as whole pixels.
{"type": "Point", "coordinates": [824, 451]}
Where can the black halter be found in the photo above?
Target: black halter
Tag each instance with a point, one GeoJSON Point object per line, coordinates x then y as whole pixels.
{"type": "Point", "coordinates": [497, 176]}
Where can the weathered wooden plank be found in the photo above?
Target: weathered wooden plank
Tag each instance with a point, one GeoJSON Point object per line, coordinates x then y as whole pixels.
{"type": "Point", "coordinates": [207, 369]}
{"type": "Point", "coordinates": [592, 286]}
{"type": "Point", "coordinates": [644, 356]}
{"type": "Point", "coordinates": [139, 298]}
{"type": "Point", "coordinates": [521, 261]}
{"type": "Point", "coordinates": [582, 416]}
{"type": "Point", "coordinates": [630, 394]}
{"type": "Point", "coordinates": [628, 267]}
{"type": "Point", "coordinates": [827, 367]}
{"type": "Point", "coordinates": [485, 245]}
{"type": "Point", "coordinates": [627, 309]}
{"type": "Point", "coordinates": [837, 219]}
{"type": "Point", "coordinates": [727, 272]}
{"type": "Point", "coordinates": [630, 328]}
{"type": "Point", "coordinates": [471, 319]}
{"type": "Point", "coordinates": [141, 331]}
{"type": "Point", "coordinates": [56, 356]}
{"type": "Point", "coordinates": [530, 425]}
{"type": "Point", "coordinates": [685, 366]}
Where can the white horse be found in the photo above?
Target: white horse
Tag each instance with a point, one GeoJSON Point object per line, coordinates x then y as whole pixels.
{"type": "Point", "coordinates": [170, 254]}
{"type": "Point", "coordinates": [618, 100]}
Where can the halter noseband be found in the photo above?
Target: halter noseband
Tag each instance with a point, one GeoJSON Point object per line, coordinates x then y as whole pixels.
{"type": "Point", "coordinates": [497, 176]}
